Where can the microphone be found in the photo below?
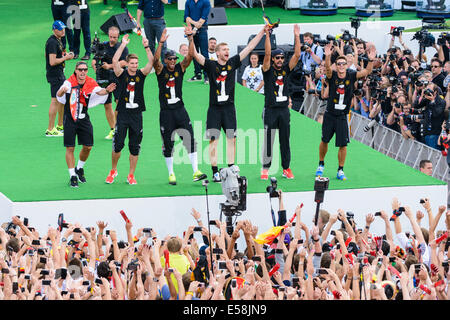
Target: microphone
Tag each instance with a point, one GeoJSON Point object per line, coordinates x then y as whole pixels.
{"type": "Point", "coordinates": [205, 183]}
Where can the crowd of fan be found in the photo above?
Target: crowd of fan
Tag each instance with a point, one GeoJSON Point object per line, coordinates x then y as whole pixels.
{"type": "Point", "coordinates": [332, 260]}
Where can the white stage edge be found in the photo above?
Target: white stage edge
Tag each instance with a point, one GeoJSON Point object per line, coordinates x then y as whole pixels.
{"type": "Point", "coordinates": [171, 215]}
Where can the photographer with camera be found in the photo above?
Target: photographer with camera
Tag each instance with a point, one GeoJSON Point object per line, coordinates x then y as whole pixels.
{"type": "Point", "coordinates": [438, 75]}
{"type": "Point", "coordinates": [393, 119]}
{"type": "Point", "coordinates": [104, 70]}
{"type": "Point", "coordinates": [433, 107]}
{"type": "Point", "coordinates": [444, 47]}
{"type": "Point", "coordinates": [410, 129]}
{"type": "Point", "coordinates": [361, 102]}
{"type": "Point", "coordinates": [317, 86]}
{"type": "Point", "coordinates": [311, 53]}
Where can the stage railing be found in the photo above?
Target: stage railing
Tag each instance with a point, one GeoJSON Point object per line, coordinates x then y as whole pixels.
{"type": "Point", "coordinates": [385, 140]}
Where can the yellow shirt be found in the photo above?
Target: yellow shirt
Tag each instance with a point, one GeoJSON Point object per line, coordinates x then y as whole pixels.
{"type": "Point", "coordinates": [179, 262]}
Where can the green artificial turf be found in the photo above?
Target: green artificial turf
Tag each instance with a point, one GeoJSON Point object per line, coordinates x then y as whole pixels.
{"type": "Point", "coordinates": [33, 168]}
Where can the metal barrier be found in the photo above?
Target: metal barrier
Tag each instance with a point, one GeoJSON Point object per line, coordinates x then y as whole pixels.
{"type": "Point", "coordinates": [385, 140]}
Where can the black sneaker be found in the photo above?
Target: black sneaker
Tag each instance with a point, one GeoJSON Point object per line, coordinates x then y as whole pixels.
{"type": "Point", "coordinates": [80, 174]}
{"type": "Point", "coordinates": [197, 77]}
{"type": "Point", "coordinates": [74, 181]}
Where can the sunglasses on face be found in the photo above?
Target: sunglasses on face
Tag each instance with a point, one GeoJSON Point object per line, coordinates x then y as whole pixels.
{"type": "Point", "coordinates": [172, 58]}
{"type": "Point", "coordinates": [435, 66]}
{"type": "Point", "coordinates": [279, 57]}
{"type": "Point", "coordinates": [82, 69]}
{"type": "Point", "coordinates": [341, 63]}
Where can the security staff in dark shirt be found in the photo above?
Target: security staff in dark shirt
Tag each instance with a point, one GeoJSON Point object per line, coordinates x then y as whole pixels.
{"type": "Point", "coordinates": [154, 22]}
{"type": "Point", "coordinates": [173, 117]}
{"type": "Point", "coordinates": [55, 59]}
{"type": "Point", "coordinates": [82, 21]}
{"type": "Point", "coordinates": [276, 114]}
{"type": "Point", "coordinates": [59, 12]}
{"type": "Point", "coordinates": [105, 74]}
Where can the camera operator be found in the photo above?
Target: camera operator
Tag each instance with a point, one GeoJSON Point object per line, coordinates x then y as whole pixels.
{"type": "Point", "coordinates": [312, 54]}
{"type": "Point", "coordinates": [318, 87]}
{"type": "Point", "coordinates": [438, 76]}
{"type": "Point", "coordinates": [410, 129]}
{"type": "Point", "coordinates": [361, 99]}
{"type": "Point", "coordinates": [342, 46]}
{"type": "Point", "coordinates": [443, 50]}
{"type": "Point", "coordinates": [433, 114]}
{"type": "Point", "coordinates": [419, 84]}
{"type": "Point", "coordinates": [395, 62]}
{"type": "Point", "coordinates": [103, 67]}
{"type": "Point", "coordinates": [359, 51]}
{"type": "Point", "coordinates": [393, 119]}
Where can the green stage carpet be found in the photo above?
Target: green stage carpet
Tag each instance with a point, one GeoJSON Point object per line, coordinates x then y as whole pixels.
{"type": "Point", "coordinates": [33, 168]}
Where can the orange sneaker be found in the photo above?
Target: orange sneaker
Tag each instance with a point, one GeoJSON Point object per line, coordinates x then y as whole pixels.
{"type": "Point", "coordinates": [111, 176]}
{"type": "Point", "coordinates": [264, 174]}
{"type": "Point", "coordinates": [287, 173]}
{"type": "Point", "coordinates": [131, 179]}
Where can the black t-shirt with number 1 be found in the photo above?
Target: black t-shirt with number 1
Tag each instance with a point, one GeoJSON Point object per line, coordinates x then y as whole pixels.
{"type": "Point", "coordinates": [275, 87]}
{"type": "Point", "coordinates": [341, 92]}
{"type": "Point", "coordinates": [131, 94]}
{"type": "Point", "coordinates": [222, 81]}
{"type": "Point", "coordinates": [170, 87]}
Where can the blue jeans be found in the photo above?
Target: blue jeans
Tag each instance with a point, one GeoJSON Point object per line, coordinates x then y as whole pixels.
{"type": "Point", "coordinates": [85, 27]}
{"type": "Point", "coordinates": [153, 30]}
{"type": "Point", "coordinates": [60, 13]}
{"type": "Point", "coordinates": [431, 141]}
{"type": "Point", "coordinates": [201, 44]}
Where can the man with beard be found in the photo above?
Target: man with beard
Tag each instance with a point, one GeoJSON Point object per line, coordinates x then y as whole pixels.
{"type": "Point", "coordinates": [276, 114]}
{"type": "Point", "coordinates": [173, 117]}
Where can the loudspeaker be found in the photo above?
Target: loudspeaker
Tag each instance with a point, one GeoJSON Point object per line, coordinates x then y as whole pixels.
{"type": "Point", "coordinates": [121, 21]}
{"type": "Point", "coordinates": [260, 45]}
{"type": "Point", "coordinates": [217, 16]}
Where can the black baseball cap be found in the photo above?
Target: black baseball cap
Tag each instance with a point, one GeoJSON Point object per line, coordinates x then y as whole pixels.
{"type": "Point", "coordinates": [170, 53]}
{"type": "Point", "coordinates": [277, 52]}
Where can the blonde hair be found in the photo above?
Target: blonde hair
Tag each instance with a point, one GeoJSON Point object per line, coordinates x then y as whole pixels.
{"type": "Point", "coordinates": [221, 45]}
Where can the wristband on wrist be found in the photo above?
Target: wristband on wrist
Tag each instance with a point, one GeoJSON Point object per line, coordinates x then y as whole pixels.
{"type": "Point", "coordinates": [146, 47]}
{"type": "Point", "coordinates": [189, 292]}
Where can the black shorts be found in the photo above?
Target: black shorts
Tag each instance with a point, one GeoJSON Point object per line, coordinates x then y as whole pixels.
{"type": "Point", "coordinates": [110, 95]}
{"type": "Point", "coordinates": [81, 129]}
{"type": "Point", "coordinates": [221, 118]}
{"type": "Point", "coordinates": [176, 121]}
{"type": "Point", "coordinates": [131, 123]}
{"type": "Point", "coordinates": [335, 124]}
{"type": "Point", "coordinates": [55, 84]}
